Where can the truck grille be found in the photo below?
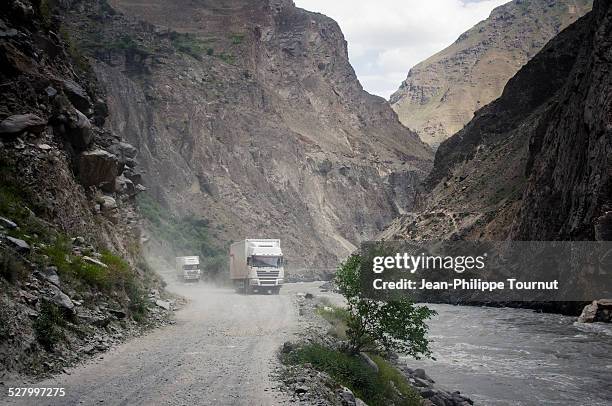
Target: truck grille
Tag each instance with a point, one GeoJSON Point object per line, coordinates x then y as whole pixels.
{"type": "Point", "coordinates": [268, 274]}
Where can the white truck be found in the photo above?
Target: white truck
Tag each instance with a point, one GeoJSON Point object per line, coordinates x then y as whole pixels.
{"type": "Point", "coordinates": [188, 268]}
{"type": "Point", "coordinates": [257, 265]}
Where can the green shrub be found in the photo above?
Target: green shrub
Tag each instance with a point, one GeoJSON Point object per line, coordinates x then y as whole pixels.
{"type": "Point", "coordinates": [188, 44]}
{"type": "Point", "coordinates": [138, 301]}
{"type": "Point", "coordinates": [237, 38]}
{"type": "Point", "coordinates": [352, 371]}
{"type": "Point", "coordinates": [394, 326]}
{"type": "Point", "coordinates": [45, 10]}
{"type": "Point", "coordinates": [48, 326]}
{"type": "Point", "coordinates": [73, 50]}
{"type": "Point", "coordinates": [337, 317]}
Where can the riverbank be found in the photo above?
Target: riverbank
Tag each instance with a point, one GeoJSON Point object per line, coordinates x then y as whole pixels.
{"type": "Point", "coordinates": [503, 356]}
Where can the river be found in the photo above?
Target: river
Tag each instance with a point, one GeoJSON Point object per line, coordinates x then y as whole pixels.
{"type": "Point", "coordinates": [501, 356]}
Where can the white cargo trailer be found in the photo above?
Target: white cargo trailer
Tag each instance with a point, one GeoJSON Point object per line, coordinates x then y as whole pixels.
{"type": "Point", "coordinates": [188, 268]}
{"type": "Point", "coordinates": [257, 265]}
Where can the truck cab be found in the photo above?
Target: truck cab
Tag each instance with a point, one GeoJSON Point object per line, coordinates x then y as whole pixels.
{"type": "Point", "coordinates": [257, 265]}
{"type": "Point", "coordinates": [188, 268]}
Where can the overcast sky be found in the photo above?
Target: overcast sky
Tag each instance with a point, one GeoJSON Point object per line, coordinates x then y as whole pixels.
{"type": "Point", "coordinates": [388, 37]}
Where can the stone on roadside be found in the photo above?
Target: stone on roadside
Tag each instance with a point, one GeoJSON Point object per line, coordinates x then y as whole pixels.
{"type": "Point", "coordinates": [164, 304]}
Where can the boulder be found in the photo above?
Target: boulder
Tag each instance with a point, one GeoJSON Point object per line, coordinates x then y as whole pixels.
{"type": "Point", "coordinates": [100, 112]}
{"type": "Point", "coordinates": [19, 123]}
{"type": "Point", "coordinates": [78, 130]}
{"type": "Point", "coordinates": [77, 96]}
{"type": "Point", "coordinates": [123, 151]}
{"type": "Point", "coordinates": [19, 245]}
{"type": "Point", "coordinates": [107, 203]}
{"type": "Point", "coordinates": [598, 311]}
{"type": "Point", "coordinates": [56, 296]}
{"type": "Point", "coordinates": [124, 185]}
{"type": "Point", "coordinates": [132, 175]}
{"type": "Point", "coordinates": [347, 398]}
{"type": "Point", "coordinates": [98, 168]}
{"type": "Point", "coordinates": [164, 304]}
{"type": "Point", "coordinates": [51, 92]}
{"type": "Point", "coordinates": [50, 274]}
{"type": "Point", "coordinates": [4, 222]}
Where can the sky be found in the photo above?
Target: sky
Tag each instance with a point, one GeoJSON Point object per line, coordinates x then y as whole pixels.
{"type": "Point", "coordinates": [388, 37]}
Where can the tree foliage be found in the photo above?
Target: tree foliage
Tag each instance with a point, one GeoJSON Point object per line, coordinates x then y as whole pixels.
{"type": "Point", "coordinates": [396, 325]}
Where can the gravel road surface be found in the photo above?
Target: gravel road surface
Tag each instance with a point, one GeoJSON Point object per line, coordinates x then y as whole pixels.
{"type": "Point", "coordinates": [221, 351]}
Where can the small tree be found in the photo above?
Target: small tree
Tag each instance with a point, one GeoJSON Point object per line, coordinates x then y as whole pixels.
{"type": "Point", "coordinates": [396, 325]}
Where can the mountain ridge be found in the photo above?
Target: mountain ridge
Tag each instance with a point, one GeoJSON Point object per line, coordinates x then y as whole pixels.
{"type": "Point", "coordinates": [440, 94]}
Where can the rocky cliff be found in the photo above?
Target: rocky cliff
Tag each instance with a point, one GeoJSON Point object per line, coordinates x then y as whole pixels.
{"type": "Point", "coordinates": [248, 114]}
{"type": "Point", "coordinates": [534, 164]}
{"type": "Point", "coordinates": [72, 280]}
{"type": "Point", "coordinates": [441, 94]}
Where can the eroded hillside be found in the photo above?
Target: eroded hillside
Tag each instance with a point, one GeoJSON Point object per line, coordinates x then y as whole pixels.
{"type": "Point", "coordinates": [535, 164]}
{"type": "Point", "coordinates": [441, 94]}
{"type": "Point", "coordinates": [248, 114]}
{"type": "Point", "coordinates": [72, 279]}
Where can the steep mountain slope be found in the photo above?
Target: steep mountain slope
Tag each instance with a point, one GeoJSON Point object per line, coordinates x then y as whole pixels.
{"type": "Point", "coordinates": [248, 114]}
{"type": "Point", "coordinates": [535, 164]}
{"type": "Point", "coordinates": [72, 278]}
{"type": "Point", "coordinates": [442, 93]}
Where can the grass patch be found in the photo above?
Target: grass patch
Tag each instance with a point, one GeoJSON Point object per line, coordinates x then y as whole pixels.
{"type": "Point", "coordinates": [237, 38]}
{"type": "Point", "coordinates": [189, 44]}
{"type": "Point", "coordinates": [45, 9]}
{"type": "Point", "coordinates": [227, 58]}
{"type": "Point", "coordinates": [77, 57]}
{"type": "Point", "coordinates": [351, 371]}
{"type": "Point", "coordinates": [116, 274]}
{"type": "Point", "coordinates": [337, 317]}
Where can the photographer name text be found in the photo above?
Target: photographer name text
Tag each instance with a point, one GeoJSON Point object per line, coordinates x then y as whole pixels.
{"type": "Point", "coordinates": [464, 284]}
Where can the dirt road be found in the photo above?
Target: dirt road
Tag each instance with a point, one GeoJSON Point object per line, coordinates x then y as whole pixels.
{"type": "Point", "coordinates": [221, 351]}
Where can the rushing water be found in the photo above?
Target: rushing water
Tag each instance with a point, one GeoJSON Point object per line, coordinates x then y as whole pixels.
{"type": "Point", "coordinates": [519, 357]}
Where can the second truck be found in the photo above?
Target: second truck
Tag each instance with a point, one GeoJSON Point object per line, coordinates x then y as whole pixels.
{"type": "Point", "coordinates": [257, 265]}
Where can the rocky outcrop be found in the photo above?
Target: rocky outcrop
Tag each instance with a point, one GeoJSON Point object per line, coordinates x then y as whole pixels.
{"type": "Point", "coordinates": [56, 306]}
{"type": "Point", "coordinates": [253, 120]}
{"type": "Point", "coordinates": [598, 311]}
{"type": "Point", "coordinates": [441, 94]}
{"type": "Point", "coordinates": [98, 168]}
{"type": "Point", "coordinates": [535, 164]}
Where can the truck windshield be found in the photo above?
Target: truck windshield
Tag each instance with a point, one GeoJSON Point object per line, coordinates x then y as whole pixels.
{"type": "Point", "coordinates": [265, 262]}
{"type": "Point", "coordinates": [191, 267]}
